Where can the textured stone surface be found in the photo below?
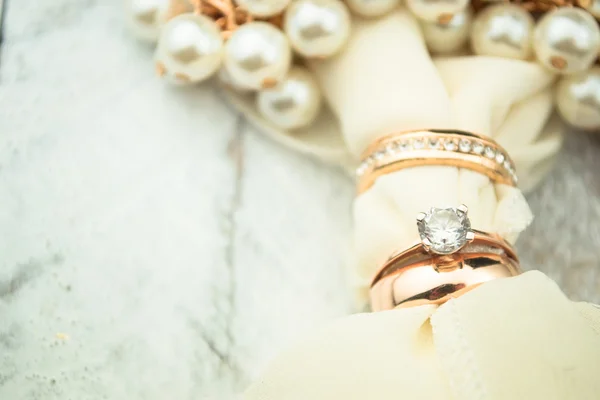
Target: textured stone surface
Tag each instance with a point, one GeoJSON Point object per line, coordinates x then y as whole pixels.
{"type": "Point", "coordinates": [150, 244]}
{"type": "Point", "coordinates": [564, 239]}
{"type": "Point", "coordinates": [153, 246]}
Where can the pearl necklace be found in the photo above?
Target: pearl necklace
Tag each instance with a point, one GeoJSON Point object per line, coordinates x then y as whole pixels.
{"type": "Point", "coordinates": [250, 44]}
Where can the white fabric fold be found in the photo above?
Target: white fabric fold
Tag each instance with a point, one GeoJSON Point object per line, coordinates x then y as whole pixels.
{"type": "Point", "coordinates": [513, 338]}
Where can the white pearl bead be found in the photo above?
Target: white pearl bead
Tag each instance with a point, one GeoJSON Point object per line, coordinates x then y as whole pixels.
{"type": "Point", "coordinates": [190, 48]}
{"type": "Point", "coordinates": [436, 10]}
{"type": "Point", "coordinates": [257, 55]}
{"type": "Point", "coordinates": [372, 8]}
{"type": "Point", "coordinates": [578, 99]}
{"type": "Point", "coordinates": [225, 79]}
{"type": "Point", "coordinates": [592, 6]}
{"type": "Point", "coordinates": [448, 37]}
{"type": "Point", "coordinates": [567, 40]}
{"type": "Point", "coordinates": [264, 8]}
{"type": "Point", "coordinates": [503, 30]}
{"type": "Point", "coordinates": [317, 28]}
{"type": "Point", "coordinates": [294, 103]}
{"type": "Point", "coordinates": [146, 17]}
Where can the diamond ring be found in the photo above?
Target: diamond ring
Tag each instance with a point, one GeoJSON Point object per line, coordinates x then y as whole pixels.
{"type": "Point", "coordinates": [451, 259]}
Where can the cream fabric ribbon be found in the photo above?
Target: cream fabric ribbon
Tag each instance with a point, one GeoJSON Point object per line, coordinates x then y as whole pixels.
{"type": "Point", "coordinates": [513, 338]}
{"type": "Point", "coordinates": [384, 82]}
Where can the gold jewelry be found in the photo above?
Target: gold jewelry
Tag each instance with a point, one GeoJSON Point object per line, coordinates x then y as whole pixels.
{"type": "Point", "coordinates": [450, 260]}
{"type": "Point", "coordinates": [435, 147]}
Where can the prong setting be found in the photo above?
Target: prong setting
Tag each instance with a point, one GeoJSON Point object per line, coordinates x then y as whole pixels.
{"type": "Point", "coordinates": [426, 244]}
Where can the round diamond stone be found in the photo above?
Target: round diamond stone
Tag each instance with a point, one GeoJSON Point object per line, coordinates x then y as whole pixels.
{"type": "Point", "coordinates": [489, 152]}
{"type": "Point", "coordinates": [403, 146]}
{"type": "Point", "coordinates": [390, 149]}
{"type": "Point", "coordinates": [450, 145]}
{"type": "Point", "coordinates": [362, 168]}
{"type": "Point", "coordinates": [444, 230]}
{"type": "Point", "coordinates": [418, 144]}
{"type": "Point", "coordinates": [464, 145]}
{"type": "Point", "coordinates": [434, 144]}
{"type": "Point", "coordinates": [499, 158]}
{"type": "Point", "coordinates": [477, 148]}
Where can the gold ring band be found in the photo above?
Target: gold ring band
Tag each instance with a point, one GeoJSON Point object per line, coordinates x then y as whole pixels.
{"type": "Point", "coordinates": [450, 260]}
{"type": "Point", "coordinates": [426, 283]}
{"type": "Point", "coordinates": [455, 148]}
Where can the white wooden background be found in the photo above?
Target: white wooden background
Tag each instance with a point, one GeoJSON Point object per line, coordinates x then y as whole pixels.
{"type": "Point", "coordinates": [154, 246]}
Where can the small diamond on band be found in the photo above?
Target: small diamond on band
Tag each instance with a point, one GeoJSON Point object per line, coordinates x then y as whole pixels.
{"type": "Point", "coordinates": [499, 158]}
{"type": "Point", "coordinates": [477, 148]}
{"type": "Point", "coordinates": [418, 144]}
{"type": "Point", "coordinates": [464, 145]}
{"type": "Point", "coordinates": [450, 145]}
{"type": "Point", "coordinates": [403, 146]}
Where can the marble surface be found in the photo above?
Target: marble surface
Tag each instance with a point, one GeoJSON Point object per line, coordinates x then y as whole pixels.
{"type": "Point", "coordinates": [153, 245]}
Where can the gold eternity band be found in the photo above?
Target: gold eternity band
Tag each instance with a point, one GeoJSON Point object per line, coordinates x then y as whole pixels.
{"type": "Point", "coordinates": [435, 147]}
